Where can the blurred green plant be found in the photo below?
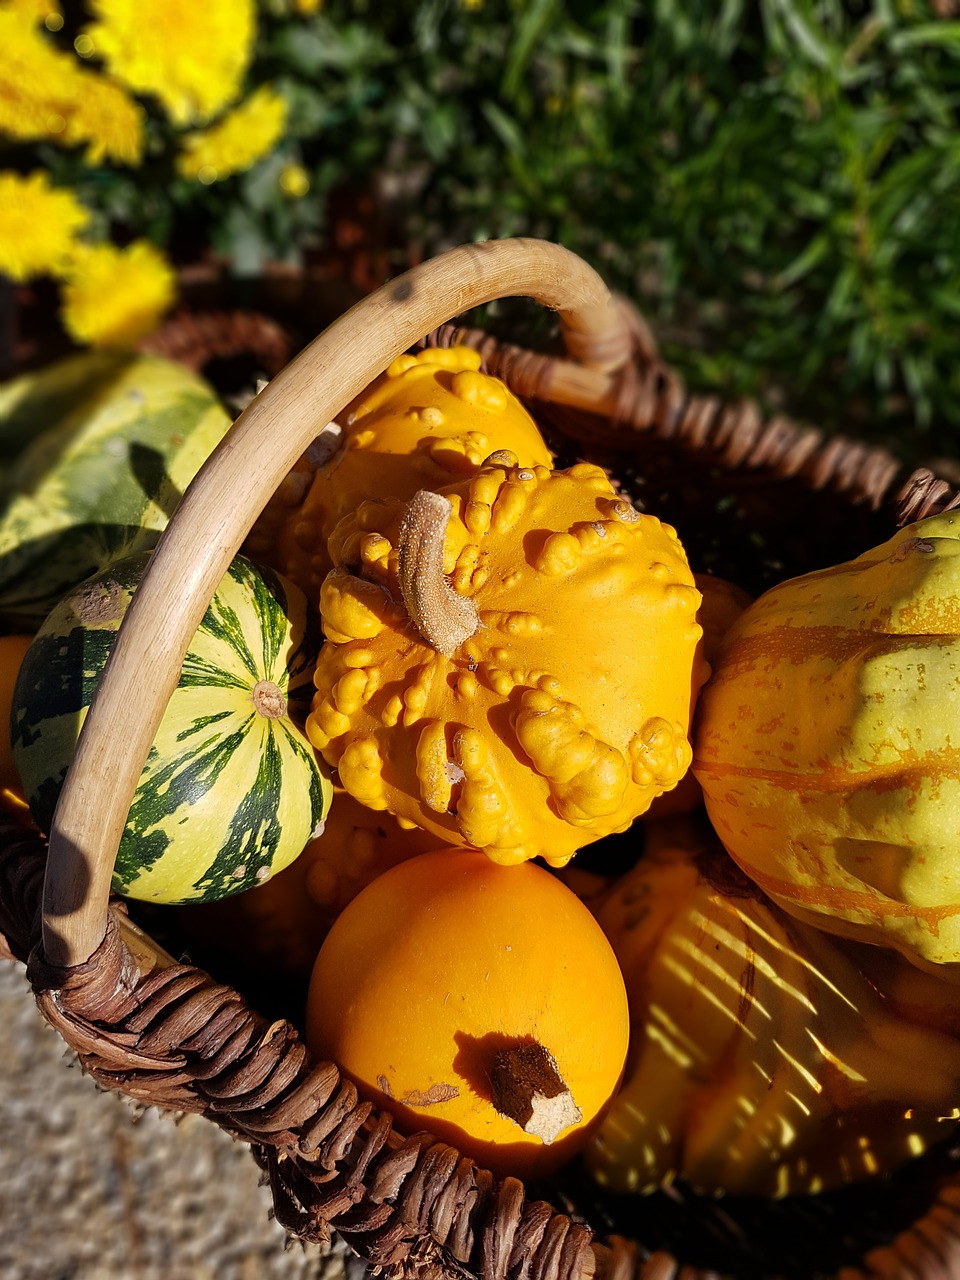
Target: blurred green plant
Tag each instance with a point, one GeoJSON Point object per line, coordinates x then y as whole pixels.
{"type": "Point", "coordinates": [777, 182]}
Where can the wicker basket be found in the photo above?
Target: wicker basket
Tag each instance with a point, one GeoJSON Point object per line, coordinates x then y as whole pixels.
{"type": "Point", "coordinates": [170, 1035]}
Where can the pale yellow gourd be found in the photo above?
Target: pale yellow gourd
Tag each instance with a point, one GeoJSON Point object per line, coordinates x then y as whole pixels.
{"type": "Point", "coordinates": [763, 1058]}
{"type": "Point", "coordinates": [828, 744]}
{"type": "Point", "coordinates": [510, 664]}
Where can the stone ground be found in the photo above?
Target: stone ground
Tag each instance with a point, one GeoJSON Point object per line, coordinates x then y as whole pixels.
{"type": "Point", "coordinates": [89, 1190]}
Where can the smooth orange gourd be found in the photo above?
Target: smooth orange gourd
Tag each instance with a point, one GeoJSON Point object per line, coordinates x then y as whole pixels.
{"type": "Point", "coordinates": [721, 605]}
{"type": "Point", "coordinates": [510, 663]}
{"type": "Point", "coordinates": [454, 992]}
{"type": "Point", "coordinates": [12, 650]}
{"type": "Point", "coordinates": [429, 420]}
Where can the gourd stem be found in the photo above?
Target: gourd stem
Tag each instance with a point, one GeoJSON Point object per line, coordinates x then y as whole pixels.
{"type": "Point", "coordinates": [528, 1089]}
{"type": "Point", "coordinates": [268, 699]}
{"type": "Point", "coordinates": [442, 616]}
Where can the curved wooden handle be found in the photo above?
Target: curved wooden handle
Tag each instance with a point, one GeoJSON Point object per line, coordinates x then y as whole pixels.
{"type": "Point", "coordinates": [218, 509]}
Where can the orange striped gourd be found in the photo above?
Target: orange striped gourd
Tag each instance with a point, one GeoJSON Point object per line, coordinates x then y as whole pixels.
{"type": "Point", "coordinates": [828, 744]}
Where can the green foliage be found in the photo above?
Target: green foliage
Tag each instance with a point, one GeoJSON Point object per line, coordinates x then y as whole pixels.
{"type": "Point", "coordinates": [777, 183]}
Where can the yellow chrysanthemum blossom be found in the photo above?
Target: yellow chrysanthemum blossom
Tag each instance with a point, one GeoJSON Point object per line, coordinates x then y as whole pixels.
{"type": "Point", "coordinates": [109, 121]}
{"type": "Point", "coordinates": [113, 297]}
{"type": "Point", "coordinates": [38, 225]}
{"type": "Point", "coordinates": [190, 56]}
{"type": "Point", "coordinates": [294, 181]}
{"type": "Point", "coordinates": [237, 141]}
{"type": "Point", "coordinates": [36, 10]}
{"type": "Point", "coordinates": [45, 95]}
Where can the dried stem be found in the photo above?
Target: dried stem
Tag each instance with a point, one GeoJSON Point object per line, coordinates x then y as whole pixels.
{"type": "Point", "coordinates": [528, 1088]}
{"type": "Point", "coordinates": [443, 617]}
{"type": "Point", "coordinates": [268, 699]}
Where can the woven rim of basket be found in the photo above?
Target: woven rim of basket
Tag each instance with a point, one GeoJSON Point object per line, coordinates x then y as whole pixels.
{"type": "Point", "coordinates": [194, 338]}
{"type": "Point", "coordinates": [176, 1039]}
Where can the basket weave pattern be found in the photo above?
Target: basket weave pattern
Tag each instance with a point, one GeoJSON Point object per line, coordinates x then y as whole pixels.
{"type": "Point", "coordinates": [175, 1038]}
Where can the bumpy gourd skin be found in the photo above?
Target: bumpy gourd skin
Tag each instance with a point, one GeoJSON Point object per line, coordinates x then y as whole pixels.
{"type": "Point", "coordinates": [566, 712]}
{"type": "Point", "coordinates": [428, 421]}
{"type": "Point", "coordinates": [828, 744]}
{"type": "Point", "coordinates": [764, 1060]}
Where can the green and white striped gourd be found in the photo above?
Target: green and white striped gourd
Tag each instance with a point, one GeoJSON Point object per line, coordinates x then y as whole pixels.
{"type": "Point", "coordinates": [95, 452]}
{"type": "Point", "coordinates": [232, 790]}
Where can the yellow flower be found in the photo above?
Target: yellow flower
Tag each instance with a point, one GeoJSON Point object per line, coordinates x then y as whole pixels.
{"type": "Point", "coordinates": [47, 11]}
{"type": "Point", "coordinates": [38, 224]}
{"type": "Point", "coordinates": [45, 95]}
{"type": "Point", "coordinates": [294, 181]}
{"type": "Point", "coordinates": [109, 121]}
{"type": "Point", "coordinates": [112, 297]}
{"type": "Point", "coordinates": [192, 56]}
{"type": "Point", "coordinates": [307, 7]}
{"type": "Point", "coordinates": [237, 141]}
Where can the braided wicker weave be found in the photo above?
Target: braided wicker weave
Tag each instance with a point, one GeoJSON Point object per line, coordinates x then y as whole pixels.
{"type": "Point", "coordinates": [170, 1035]}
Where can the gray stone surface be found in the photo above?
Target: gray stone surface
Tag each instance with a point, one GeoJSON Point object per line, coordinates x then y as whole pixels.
{"type": "Point", "coordinates": [90, 1190]}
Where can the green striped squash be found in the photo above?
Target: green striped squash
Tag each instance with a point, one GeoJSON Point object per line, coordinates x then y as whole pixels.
{"type": "Point", "coordinates": [95, 451]}
{"type": "Point", "coordinates": [232, 790]}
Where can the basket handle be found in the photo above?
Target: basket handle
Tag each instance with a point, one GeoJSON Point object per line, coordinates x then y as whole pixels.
{"type": "Point", "coordinates": [221, 504]}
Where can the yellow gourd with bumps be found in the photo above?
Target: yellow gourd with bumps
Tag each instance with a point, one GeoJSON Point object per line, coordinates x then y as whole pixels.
{"type": "Point", "coordinates": [429, 420]}
{"type": "Point", "coordinates": [510, 664]}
